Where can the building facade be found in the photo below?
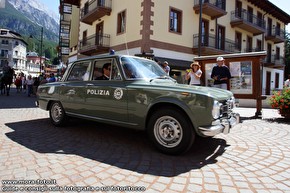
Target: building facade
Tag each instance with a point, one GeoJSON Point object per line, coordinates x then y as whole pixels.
{"type": "Point", "coordinates": [69, 30]}
{"type": "Point", "coordinates": [177, 31]}
{"type": "Point", "coordinates": [12, 50]}
{"type": "Point", "coordinates": [35, 64]}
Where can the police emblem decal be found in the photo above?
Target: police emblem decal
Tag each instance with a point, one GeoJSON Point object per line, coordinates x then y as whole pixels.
{"type": "Point", "coordinates": [118, 93]}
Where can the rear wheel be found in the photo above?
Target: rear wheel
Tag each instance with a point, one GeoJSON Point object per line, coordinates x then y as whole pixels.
{"type": "Point", "coordinates": [57, 114]}
{"type": "Point", "coordinates": [170, 131]}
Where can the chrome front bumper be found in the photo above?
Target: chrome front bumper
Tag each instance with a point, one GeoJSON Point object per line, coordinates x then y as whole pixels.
{"type": "Point", "coordinates": [220, 126]}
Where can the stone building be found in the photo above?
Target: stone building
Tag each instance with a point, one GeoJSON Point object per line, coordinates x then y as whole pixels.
{"type": "Point", "coordinates": [12, 49]}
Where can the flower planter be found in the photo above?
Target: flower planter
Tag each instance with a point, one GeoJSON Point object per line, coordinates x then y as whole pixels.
{"type": "Point", "coordinates": [281, 100]}
{"type": "Point", "coordinates": [285, 113]}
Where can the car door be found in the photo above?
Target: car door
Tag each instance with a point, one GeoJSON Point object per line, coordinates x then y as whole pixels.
{"type": "Point", "coordinates": [72, 91]}
{"type": "Point", "coordinates": [106, 100]}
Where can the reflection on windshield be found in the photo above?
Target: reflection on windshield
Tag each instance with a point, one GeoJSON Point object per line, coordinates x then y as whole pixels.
{"type": "Point", "coordinates": [136, 68]}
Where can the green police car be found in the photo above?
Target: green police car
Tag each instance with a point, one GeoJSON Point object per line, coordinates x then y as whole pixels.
{"type": "Point", "coordinates": [136, 93]}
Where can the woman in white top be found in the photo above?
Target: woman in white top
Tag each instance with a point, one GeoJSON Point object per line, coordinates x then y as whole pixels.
{"type": "Point", "coordinates": [194, 74]}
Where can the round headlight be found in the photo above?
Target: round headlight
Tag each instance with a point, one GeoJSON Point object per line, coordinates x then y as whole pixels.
{"type": "Point", "coordinates": [216, 110]}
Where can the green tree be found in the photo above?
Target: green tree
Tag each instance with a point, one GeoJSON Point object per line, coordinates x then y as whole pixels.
{"type": "Point", "coordinates": [55, 61]}
{"type": "Point", "coordinates": [49, 53]}
{"type": "Point", "coordinates": [48, 47]}
{"type": "Point", "coordinates": [30, 44]}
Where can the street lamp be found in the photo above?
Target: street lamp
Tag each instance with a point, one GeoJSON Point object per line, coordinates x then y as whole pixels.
{"type": "Point", "coordinates": [41, 41]}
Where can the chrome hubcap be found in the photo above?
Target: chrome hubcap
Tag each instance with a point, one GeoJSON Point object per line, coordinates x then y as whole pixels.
{"type": "Point", "coordinates": [168, 131]}
{"type": "Point", "coordinates": [56, 112]}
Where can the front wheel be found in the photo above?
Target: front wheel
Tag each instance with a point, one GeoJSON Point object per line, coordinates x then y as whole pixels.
{"type": "Point", "coordinates": [170, 131]}
{"type": "Point", "coordinates": [57, 114]}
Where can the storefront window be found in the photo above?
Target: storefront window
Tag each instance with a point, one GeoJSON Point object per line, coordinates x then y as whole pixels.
{"type": "Point", "coordinates": [242, 79]}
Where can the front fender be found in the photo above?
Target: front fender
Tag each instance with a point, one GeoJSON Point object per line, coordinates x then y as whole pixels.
{"type": "Point", "coordinates": [196, 108]}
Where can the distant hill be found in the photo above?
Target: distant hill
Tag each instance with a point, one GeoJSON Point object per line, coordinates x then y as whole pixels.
{"type": "Point", "coordinates": [26, 17]}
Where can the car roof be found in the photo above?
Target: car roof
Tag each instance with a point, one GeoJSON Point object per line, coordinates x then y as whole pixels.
{"type": "Point", "coordinates": [107, 56]}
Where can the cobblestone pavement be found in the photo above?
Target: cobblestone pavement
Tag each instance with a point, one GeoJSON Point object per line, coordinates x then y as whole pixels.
{"type": "Point", "coordinates": [254, 157]}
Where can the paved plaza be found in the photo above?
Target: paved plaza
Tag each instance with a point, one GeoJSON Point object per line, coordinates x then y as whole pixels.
{"type": "Point", "coordinates": [86, 156]}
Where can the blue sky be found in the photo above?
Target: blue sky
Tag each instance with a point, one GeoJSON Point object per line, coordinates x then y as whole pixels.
{"type": "Point", "coordinates": [52, 4]}
{"type": "Point", "coordinates": [284, 5]}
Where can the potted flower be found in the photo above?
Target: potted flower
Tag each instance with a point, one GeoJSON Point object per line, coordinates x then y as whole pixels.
{"type": "Point", "coordinates": [281, 100]}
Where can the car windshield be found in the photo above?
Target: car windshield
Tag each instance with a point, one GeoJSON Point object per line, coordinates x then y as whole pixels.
{"type": "Point", "coordinates": [140, 68]}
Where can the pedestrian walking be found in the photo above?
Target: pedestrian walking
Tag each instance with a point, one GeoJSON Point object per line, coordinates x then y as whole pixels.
{"type": "Point", "coordinates": [166, 67]}
{"type": "Point", "coordinates": [35, 84]}
{"type": "Point", "coordinates": [18, 83]}
{"type": "Point", "coordinates": [52, 78]}
{"type": "Point", "coordinates": [24, 83]}
{"type": "Point", "coordinates": [29, 82]}
{"type": "Point", "coordinates": [44, 80]}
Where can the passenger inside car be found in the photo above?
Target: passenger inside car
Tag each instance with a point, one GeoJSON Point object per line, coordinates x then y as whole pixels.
{"type": "Point", "coordinates": [106, 71]}
{"type": "Point", "coordinates": [97, 73]}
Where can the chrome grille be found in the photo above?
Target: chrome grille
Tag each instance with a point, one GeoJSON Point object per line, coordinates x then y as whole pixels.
{"type": "Point", "coordinates": [226, 107]}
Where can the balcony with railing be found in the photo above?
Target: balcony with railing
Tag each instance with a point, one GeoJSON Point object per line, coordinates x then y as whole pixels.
{"type": "Point", "coordinates": [5, 45]}
{"type": "Point", "coordinates": [247, 21]}
{"type": "Point", "coordinates": [65, 9]}
{"type": "Point", "coordinates": [65, 23]}
{"type": "Point", "coordinates": [4, 56]}
{"type": "Point", "coordinates": [253, 49]}
{"type": "Point", "coordinates": [212, 8]}
{"type": "Point", "coordinates": [95, 44]}
{"type": "Point", "coordinates": [17, 57]}
{"type": "Point", "coordinates": [275, 34]}
{"type": "Point", "coordinates": [95, 9]}
{"type": "Point", "coordinates": [66, 17]}
{"type": "Point", "coordinates": [211, 45]}
{"type": "Point", "coordinates": [72, 2]}
{"type": "Point", "coordinates": [64, 35]}
{"type": "Point", "coordinates": [64, 50]}
{"type": "Point", "coordinates": [64, 32]}
{"type": "Point", "coordinates": [274, 61]}
{"type": "Point", "coordinates": [64, 43]}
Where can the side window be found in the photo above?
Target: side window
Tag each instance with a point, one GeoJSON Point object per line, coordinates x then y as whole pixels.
{"type": "Point", "coordinates": [106, 70]}
{"type": "Point", "coordinates": [175, 19]}
{"type": "Point", "coordinates": [121, 22]}
{"type": "Point", "coordinates": [80, 72]}
{"type": "Point", "coordinates": [98, 72]}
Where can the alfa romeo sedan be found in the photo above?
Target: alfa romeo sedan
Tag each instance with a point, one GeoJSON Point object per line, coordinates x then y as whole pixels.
{"type": "Point", "coordinates": [136, 93]}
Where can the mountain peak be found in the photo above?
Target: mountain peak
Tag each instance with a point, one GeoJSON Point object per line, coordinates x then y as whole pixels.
{"type": "Point", "coordinates": [28, 16]}
{"type": "Point", "coordinates": [23, 5]}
